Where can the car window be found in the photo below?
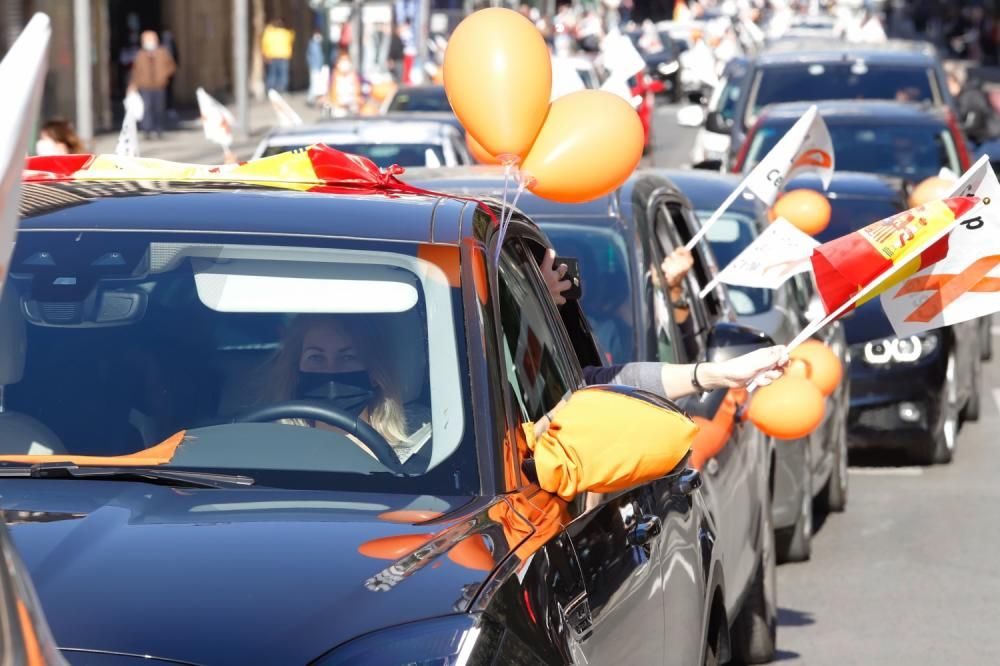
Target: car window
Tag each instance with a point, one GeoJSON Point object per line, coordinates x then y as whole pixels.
{"type": "Point", "coordinates": [727, 97]}
{"type": "Point", "coordinates": [693, 322]}
{"type": "Point", "coordinates": [385, 155]}
{"type": "Point", "coordinates": [848, 80]}
{"type": "Point", "coordinates": [732, 234]}
{"type": "Point", "coordinates": [134, 338]}
{"type": "Point", "coordinates": [849, 214]}
{"type": "Point", "coordinates": [429, 99]}
{"type": "Point", "coordinates": [607, 289]}
{"type": "Point", "coordinates": [912, 152]}
{"type": "Point", "coordinates": [536, 365]}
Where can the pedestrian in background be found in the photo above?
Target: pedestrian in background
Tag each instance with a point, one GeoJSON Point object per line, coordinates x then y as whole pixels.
{"type": "Point", "coordinates": [276, 48]}
{"type": "Point", "coordinates": [57, 137]}
{"type": "Point", "coordinates": [151, 72]}
{"type": "Point", "coordinates": [976, 115]}
{"type": "Point", "coordinates": [345, 88]}
{"type": "Point", "coordinates": [396, 54]}
{"type": "Point", "coordinates": [319, 72]}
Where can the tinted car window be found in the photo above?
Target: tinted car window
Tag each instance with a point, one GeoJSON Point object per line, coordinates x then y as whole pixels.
{"type": "Point", "coordinates": [384, 154]}
{"type": "Point", "coordinates": [538, 372]}
{"type": "Point", "coordinates": [420, 99]}
{"type": "Point", "coordinates": [145, 335]}
{"type": "Point", "coordinates": [730, 236]}
{"type": "Point", "coordinates": [912, 152]}
{"type": "Point", "coordinates": [850, 214]}
{"type": "Point", "coordinates": [813, 82]}
{"type": "Point", "coordinates": [607, 292]}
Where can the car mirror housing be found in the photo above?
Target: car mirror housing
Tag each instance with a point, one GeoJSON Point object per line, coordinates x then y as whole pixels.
{"type": "Point", "coordinates": [708, 165]}
{"type": "Point", "coordinates": [727, 340]}
{"type": "Point", "coordinates": [608, 438]}
{"type": "Point", "coordinates": [717, 123]}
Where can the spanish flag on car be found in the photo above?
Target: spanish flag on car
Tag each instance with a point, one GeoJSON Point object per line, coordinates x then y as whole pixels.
{"type": "Point", "coordinates": [856, 268]}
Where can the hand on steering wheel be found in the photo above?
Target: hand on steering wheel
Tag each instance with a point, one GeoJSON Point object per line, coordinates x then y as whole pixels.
{"type": "Point", "coordinates": [319, 410]}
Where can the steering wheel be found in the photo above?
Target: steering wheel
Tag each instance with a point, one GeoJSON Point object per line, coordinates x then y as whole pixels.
{"type": "Point", "coordinates": [317, 410]}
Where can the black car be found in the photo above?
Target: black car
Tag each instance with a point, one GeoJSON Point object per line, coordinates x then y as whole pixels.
{"type": "Point", "coordinates": [418, 99]}
{"type": "Point", "coordinates": [900, 140]}
{"type": "Point", "coordinates": [620, 241]}
{"type": "Point", "coordinates": [800, 73]}
{"type": "Point", "coordinates": [912, 392]}
{"type": "Point", "coordinates": [814, 467]}
{"type": "Point", "coordinates": [173, 341]}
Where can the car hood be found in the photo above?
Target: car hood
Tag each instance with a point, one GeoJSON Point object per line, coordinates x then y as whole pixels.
{"type": "Point", "coordinates": [247, 575]}
{"type": "Point", "coordinates": [867, 323]}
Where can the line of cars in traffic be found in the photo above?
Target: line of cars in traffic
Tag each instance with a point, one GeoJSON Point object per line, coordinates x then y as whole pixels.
{"type": "Point", "coordinates": [170, 341]}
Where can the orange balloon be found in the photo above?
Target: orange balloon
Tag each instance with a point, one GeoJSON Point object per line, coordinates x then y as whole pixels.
{"type": "Point", "coordinates": [798, 367]}
{"type": "Point", "coordinates": [931, 189]}
{"type": "Point", "coordinates": [478, 152]}
{"type": "Point", "coordinates": [790, 408]}
{"type": "Point", "coordinates": [409, 516]}
{"type": "Point", "coordinates": [806, 209]}
{"type": "Point", "coordinates": [590, 144]}
{"type": "Point", "coordinates": [498, 78]}
{"type": "Point", "coordinates": [827, 370]}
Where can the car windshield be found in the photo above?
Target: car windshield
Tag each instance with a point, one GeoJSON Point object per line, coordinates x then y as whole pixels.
{"type": "Point", "coordinates": [420, 99]}
{"type": "Point", "coordinates": [911, 152]}
{"type": "Point", "coordinates": [850, 80]}
{"type": "Point", "coordinates": [383, 154]}
{"type": "Point", "coordinates": [852, 213]}
{"type": "Point", "coordinates": [730, 236]}
{"type": "Point", "coordinates": [727, 97]}
{"type": "Point", "coordinates": [604, 279]}
{"type": "Point", "coordinates": [199, 353]}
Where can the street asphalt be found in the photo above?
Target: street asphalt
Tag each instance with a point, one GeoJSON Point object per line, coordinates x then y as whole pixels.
{"type": "Point", "coordinates": [910, 573]}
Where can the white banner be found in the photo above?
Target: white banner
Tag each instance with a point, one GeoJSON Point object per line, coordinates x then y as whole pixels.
{"type": "Point", "coordinates": [22, 78]}
{"type": "Point", "coordinates": [783, 250]}
{"type": "Point", "coordinates": [216, 119]}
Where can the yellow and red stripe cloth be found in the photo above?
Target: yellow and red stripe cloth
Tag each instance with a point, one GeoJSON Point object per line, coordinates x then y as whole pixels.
{"type": "Point", "coordinates": [847, 265]}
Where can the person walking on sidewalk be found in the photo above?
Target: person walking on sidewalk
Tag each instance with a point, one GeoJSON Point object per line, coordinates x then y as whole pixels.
{"type": "Point", "coordinates": [151, 71]}
{"type": "Point", "coordinates": [319, 71]}
{"type": "Point", "coordinates": [276, 47]}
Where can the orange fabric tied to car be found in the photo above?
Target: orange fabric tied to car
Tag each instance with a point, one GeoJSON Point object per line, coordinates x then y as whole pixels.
{"type": "Point", "coordinates": [603, 441]}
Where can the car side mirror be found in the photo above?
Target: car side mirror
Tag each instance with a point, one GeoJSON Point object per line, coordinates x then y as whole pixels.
{"type": "Point", "coordinates": [717, 123]}
{"type": "Point", "coordinates": [607, 438]}
{"type": "Point", "coordinates": [727, 340]}
{"type": "Point", "coordinates": [696, 97]}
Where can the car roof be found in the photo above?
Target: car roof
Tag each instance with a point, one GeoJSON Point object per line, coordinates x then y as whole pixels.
{"type": "Point", "coordinates": [488, 181]}
{"type": "Point", "coordinates": [201, 206]}
{"type": "Point", "coordinates": [423, 87]}
{"type": "Point", "coordinates": [797, 52]}
{"type": "Point", "coordinates": [707, 188]}
{"type": "Point", "coordinates": [863, 110]}
{"type": "Point", "coordinates": [363, 130]}
{"type": "Point", "coordinates": [852, 184]}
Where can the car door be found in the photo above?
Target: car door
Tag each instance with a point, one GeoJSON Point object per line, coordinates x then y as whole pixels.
{"type": "Point", "coordinates": [615, 536]}
{"type": "Point", "coordinates": [730, 479]}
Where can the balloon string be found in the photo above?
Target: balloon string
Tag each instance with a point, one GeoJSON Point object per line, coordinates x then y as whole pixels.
{"type": "Point", "coordinates": [522, 184]}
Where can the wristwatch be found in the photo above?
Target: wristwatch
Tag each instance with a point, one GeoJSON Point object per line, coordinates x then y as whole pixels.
{"type": "Point", "coordinates": [694, 379]}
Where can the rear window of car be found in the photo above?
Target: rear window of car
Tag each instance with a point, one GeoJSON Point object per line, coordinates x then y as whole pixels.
{"type": "Point", "coordinates": [385, 154]}
{"type": "Point", "coordinates": [911, 152]}
{"type": "Point", "coordinates": [850, 80]}
{"type": "Point", "coordinates": [430, 100]}
{"type": "Point", "coordinates": [852, 213]}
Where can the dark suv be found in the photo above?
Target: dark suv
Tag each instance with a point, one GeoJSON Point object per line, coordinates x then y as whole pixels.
{"type": "Point", "coordinates": [837, 72]}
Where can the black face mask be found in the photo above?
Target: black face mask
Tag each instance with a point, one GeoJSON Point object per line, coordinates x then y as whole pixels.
{"type": "Point", "coordinates": [347, 391]}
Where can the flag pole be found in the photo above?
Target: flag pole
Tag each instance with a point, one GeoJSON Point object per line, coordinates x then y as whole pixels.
{"type": "Point", "coordinates": [716, 216]}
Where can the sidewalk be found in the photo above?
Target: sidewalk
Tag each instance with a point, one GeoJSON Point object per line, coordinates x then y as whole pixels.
{"type": "Point", "coordinates": [188, 144]}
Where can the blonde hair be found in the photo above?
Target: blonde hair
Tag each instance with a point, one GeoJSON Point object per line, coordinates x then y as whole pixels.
{"type": "Point", "coordinates": [366, 332]}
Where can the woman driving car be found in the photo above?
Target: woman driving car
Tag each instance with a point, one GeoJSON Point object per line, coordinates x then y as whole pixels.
{"type": "Point", "coordinates": [341, 359]}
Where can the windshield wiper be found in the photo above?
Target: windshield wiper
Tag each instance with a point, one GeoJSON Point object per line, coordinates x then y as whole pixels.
{"type": "Point", "coordinates": [167, 477]}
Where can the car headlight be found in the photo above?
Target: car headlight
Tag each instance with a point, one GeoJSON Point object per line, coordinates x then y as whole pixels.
{"type": "Point", "coordinates": [668, 68]}
{"type": "Point", "coordinates": [454, 640]}
{"type": "Point", "coordinates": [908, 349]}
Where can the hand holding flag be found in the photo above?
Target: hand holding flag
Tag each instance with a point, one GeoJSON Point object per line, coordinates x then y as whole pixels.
{"type": "Point", "coordinates": [216, 120]}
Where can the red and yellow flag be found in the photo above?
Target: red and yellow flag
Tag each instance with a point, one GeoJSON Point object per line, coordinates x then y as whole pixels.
{"type": "Point", "coordinates": [915, 238]}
